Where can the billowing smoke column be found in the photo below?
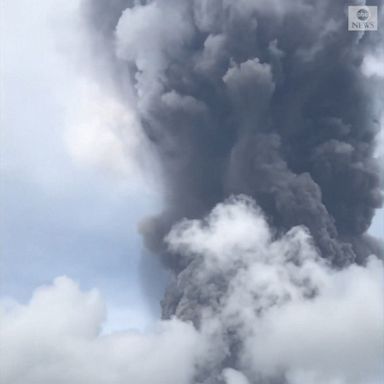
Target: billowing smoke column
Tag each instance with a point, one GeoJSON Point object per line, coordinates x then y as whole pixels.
{"type": "Point", "coordinates": [261, 98]}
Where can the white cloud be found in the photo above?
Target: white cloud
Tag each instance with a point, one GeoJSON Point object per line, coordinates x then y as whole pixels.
{"type": "Point", "coordinates": [104, 133]}
{"type": "Point", "coordinates": [373, 65]}
{"type": "Point", "coordinates": [56, 108]}
{"type": "Point", "coordinates": [56, 339]}
{"type": "Point", "coordinates": [292, 313]}
{"type": "Point", "coordinates": [232, 376]}
{"type": "Point", "coordinates": [337, 335]}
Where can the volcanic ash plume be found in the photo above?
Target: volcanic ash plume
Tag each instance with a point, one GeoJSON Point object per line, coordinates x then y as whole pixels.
{"type": "Point", "coordinates": [263, 99]}
{"type": "Point", "coordinates": [270, 309]}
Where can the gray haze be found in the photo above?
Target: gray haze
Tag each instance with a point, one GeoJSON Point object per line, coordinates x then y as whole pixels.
{"type": "Point", "coordinates": [261, 98]}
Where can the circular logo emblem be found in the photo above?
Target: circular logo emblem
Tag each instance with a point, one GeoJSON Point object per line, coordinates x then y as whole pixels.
{"type": "Point", "coordinates": [362, 14]}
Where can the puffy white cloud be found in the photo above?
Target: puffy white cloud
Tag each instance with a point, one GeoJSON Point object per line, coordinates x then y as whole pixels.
{"type": "Point", "coordinates": [225, 237]}
{"type": "Point", "coordinates": [232, 376]}
{"type": "Point", "coordinates": [373, 65]}
{"type": "Point", "coordinates": [291, 314]}
{"type": "Point", "coordinates": [56, 338]}
{"type": "Point", "coordinates": [104, 133]}
{"type": "Point", "coordinates": [335, 337]}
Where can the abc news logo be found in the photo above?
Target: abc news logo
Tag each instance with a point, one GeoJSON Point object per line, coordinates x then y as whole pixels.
{"type": "Point", "coordinates": [362, 18]}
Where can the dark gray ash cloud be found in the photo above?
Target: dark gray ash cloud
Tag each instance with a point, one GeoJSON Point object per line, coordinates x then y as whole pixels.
{"type": "Point", "coordinates": [262, 98]}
